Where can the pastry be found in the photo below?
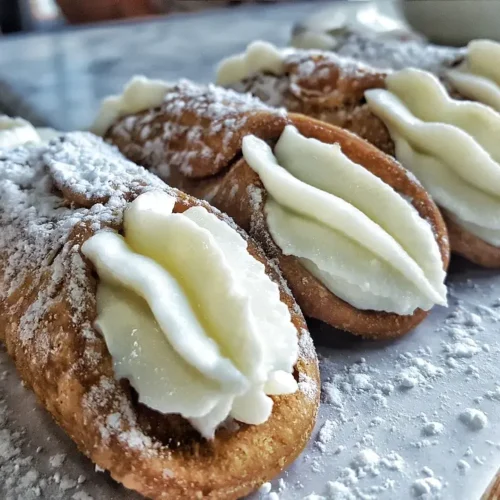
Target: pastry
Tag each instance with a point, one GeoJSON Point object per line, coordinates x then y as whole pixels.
{"type": "Point", "coordinates": [150, 326]}
{"type": "Point", "coordinates": [449, 143]}
{"type": "Point", "coordinates": [370, 261]}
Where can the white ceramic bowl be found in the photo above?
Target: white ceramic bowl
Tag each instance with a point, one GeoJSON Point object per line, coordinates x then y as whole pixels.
{"type": "Point", "coordinates": [453, 22]}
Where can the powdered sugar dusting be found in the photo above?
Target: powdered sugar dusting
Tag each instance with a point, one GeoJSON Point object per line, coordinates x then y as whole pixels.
{"type": "Point", "coordinates": [223, 113]}
{"type": "Point", "coordinates": [308, 386]}
{"type": "Point", "coordinates": [40, 256]}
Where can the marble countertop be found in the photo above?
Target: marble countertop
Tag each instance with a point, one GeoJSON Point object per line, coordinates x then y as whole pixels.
{"type": "Point", "coordinates": [57, 79]}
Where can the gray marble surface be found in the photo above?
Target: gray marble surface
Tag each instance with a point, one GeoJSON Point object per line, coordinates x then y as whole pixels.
{"type": "Point", "coordinates": [58, 79]}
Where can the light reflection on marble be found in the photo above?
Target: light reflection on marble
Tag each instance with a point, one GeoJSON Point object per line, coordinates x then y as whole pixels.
{"type": "Point", "coordinates": [62, 76]}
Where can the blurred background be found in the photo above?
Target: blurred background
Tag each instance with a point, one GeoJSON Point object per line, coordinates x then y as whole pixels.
{"type": "Point", "coordinates": [28, 15]}
{"type": "Point", "coordinates": [59, 58]}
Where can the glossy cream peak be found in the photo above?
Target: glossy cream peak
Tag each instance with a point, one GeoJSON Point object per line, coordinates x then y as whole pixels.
{"type": "Point", "coordinates": [139, 94]}
{"type": "Point", "coordinates": [450, 145]}
{"type": "Point", "coordinates": [190, 317]}
{"type": "Point", "coordinates": [259, 56]}
{"type": "Point", "coordinates": [368, 245]}
{"type": "Point", "coordinates": [18, 132]}
{"type": "Point", "coordinates": [478, 77]}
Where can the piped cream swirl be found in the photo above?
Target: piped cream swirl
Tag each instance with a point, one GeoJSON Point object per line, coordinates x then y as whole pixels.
{"type": "Point", "coordinates": [450, 145]}
{"type": "Point", "coordinates": [352, 231]}
{"type": "Point", "coordinates": [478, 77]}
{"type": "Point", "coordinates": [190, 317]}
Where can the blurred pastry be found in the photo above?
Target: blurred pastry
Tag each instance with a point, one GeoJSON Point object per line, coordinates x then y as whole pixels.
{"type": "Point", "coordinates": [152, 328]}
{"type": "Point", "coordinates": [370, 261]}
{"type": "Point", "coordinates": [447, 142]}
{"type": "Point", "coordinates": [471, 71]}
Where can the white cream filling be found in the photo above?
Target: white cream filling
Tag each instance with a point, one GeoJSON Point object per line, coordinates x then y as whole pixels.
{"type": "Point", "coordinates": [259, 57]}
{"type": "Point", "coordinates": [139, 94]}
{"type": "Point", "coordinates": [451, 146]}
{"type": "Point", "coordinates": [352, 231]}
{"type": "Point", "coordinates": [478, 77]}
{"type": "Point", "coordinates": [190, 317]}
{"type": "Point", "coordinates": [16, 132]}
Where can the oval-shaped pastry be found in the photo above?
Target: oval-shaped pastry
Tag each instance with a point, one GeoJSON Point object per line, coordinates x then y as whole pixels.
{"type": "Point", "coordinates": [447, 142]}
{"type": "Point", "coordinates": [149, 325]}
{"type": "Point", "coordinates": [360, 243]}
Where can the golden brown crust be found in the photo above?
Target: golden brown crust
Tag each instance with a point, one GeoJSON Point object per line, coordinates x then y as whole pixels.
{"type": "Point", "coordinates": [236, 190]}
{"type": "Point", "coordinates": [493, 491]}
{"type": "Point", "coordinates": [331, 90]}
{"type": "Point", "coordinates": [470, 246]}
{"type": "Point", "coordinates": [66, 363]}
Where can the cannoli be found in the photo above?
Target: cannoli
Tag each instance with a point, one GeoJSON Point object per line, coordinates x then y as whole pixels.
{"type": "Point", "coordinates": [422, 119]}
{"type": "Point", "coordinates": [149, 325]}
{"type": "Point", "coordinates": [370, 261]}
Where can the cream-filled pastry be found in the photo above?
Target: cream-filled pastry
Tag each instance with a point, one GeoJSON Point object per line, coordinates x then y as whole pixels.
{"type": "Point", "coordinates": [139, 94]}
{"type": "Point", "coordinates": [190, 317]}
{"type": "Point", "coordinates": [128, 305]}
{"type": "Point", "coordinates": [450, 145]}
{"type": "Point", "coordinates": [352, 231]}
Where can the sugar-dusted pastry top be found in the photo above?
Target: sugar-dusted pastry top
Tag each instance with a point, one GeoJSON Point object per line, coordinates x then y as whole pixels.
{"type": "Point", "coordinates": [368, 245]}
{"type": "Point", "coordinates": [396, 54]}
{"type": "Point", "coordinates": [472, 70]}
{"type": "Point", "coordinates": [142, 94]}
{"type": "Point", "coordinates": [195, 129]}
{"type": "Point", "coordinates": [450, 145]}
{"type": "Point", "coordinates": [191, 319]}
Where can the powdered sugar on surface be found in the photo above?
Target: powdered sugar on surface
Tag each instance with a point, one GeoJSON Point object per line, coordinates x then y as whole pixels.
{"type": "Point", "coordinates": [418, 418]}
{"type": "Point", "coordinates": [37, 460]}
